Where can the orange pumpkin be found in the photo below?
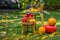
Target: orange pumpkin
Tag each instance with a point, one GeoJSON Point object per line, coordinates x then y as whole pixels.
{"type": "Point", "coordinates": [41, 30]}
{"type": "Point", "coordinates": [52, 21]}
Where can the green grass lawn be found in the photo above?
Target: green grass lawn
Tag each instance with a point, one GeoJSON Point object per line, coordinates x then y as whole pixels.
{"type": "Point", "coordinates": [12, 25]}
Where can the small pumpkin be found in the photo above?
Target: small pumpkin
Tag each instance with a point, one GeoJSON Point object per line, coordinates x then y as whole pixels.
{"type": "Point", "coordinates": [52, 21]}
{"type": "Point", "coordinates": [41, 30]}
{"type": "Point", "coordinates": [36, 10]}
{"type": "Point", "coordinates": [33, 9]}
{"type": "Point", "coordinates": [32, 21]}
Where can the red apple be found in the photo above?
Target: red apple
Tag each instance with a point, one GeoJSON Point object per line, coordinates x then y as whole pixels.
{"type": "Point", "coordinates": [29, 14]}
{"type": "Point", "coordinates": [50, 29]}
{"type": "Point", "coordinates": [25, 19]}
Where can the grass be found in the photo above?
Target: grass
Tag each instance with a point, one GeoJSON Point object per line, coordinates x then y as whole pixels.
{"type": "Point", "coordinates": [14, 28]}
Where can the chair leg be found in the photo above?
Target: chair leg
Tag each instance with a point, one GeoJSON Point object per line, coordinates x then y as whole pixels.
{"type": "Point", "coordinates": [22, 30]}
{"type": "Point", "coordinates": [34, 29]}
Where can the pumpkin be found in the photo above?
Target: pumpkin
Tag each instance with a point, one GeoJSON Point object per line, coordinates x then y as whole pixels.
{"type": "Point", "coordinates": [41, 30]}
{"type": "Point", "coordinates": [32, 21]}
{"type": "Point", "coordinates": [51, 21]}
{"type": "Point", "coordinates": [50, 29]}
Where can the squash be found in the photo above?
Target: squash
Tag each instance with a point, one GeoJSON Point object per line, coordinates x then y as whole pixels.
{"type": "Point", "coordinates": [52, 21]}
{"type": "Point", "coordinates": [50, 29]}
{"type": "Point", "coordinates": [41, 30]}
{"type": "Point", "coordinates": [33, 9]}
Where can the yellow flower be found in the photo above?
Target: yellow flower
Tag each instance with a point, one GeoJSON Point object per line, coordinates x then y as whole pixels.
{"type": "Point", "coordinates": [15, 17]}
{"type": "Point", "coordinates": [3, 20]}
{"type": "Point", "coordinates": [8, 16]}
{"type": "Point", "coordinates": [6, 20]}
{"type": "Point", "coordinates": [22, 36]}
{"type": "Point", "coordinates": [54, 33]}
{"type": "Point", "coordinates": [30, 34]}
{"type": "Point", "coordinates": [58, 35]}
{"type": "Point", "coordinates": [3, 16]}
{"type": "Point", "coordinates": [6, 26]}
{"type": "Point", "coordinates": [12, 22]}
{"type": "Point", "coordinates": [37, 38]}
{"type": "Point", "coordinates": [57, 32]}
{"type": "Point", "coordinates": [30, 37]}
{"type": "Point", "coordinates": [19, 22]}
{"type": "Point", "coordinates": [44, 37]}
{"type": "Point", "coordinates": [34, 2]}
{"type": "Point", "coordinates": [14, 34]}
{"type": "Point", "coordinates": [0, 20]}
{"type": "Point", "coordinates": [51, 35]}
{"type": "Point", "coordinates": [17, 38]}
{"type": "Point", "coordinates": [5, 38]}
{"type": "Point", "coordinates": [10, 29]}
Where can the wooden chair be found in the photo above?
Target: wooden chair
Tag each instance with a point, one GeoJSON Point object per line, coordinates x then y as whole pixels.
{"type": "Point", "coordinates": [28, 25]}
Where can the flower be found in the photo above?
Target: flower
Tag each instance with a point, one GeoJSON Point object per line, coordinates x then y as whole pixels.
{"type": "Point", "coordinates": [15, 17]}
{"type": "Point", "coordinates": [51, 35]}
{"type": "Point", "coordinates": [14, 34]}
{"type": "Point", "coordinates": [12, 22]}
{"type": "Point", "coordinates": [10, 29]}
{"type": "Point", "coordinates": [23, 36]}
{"type": "Point", "coordinates": [54, 33]}
{"type": "Point", "coordinates": [3, 20]}
{"type": "Point", "coordinates": [6, 38]}
{"type": "Point", "coordinates": [37, 38]}
{"type": "Point", "coordinates": [17, 38]}
{"type": "Point", "coordinates": [58, 35]}
{"type": "Point", "coordinates": [30, 34]}
{"type": "Point", "coordinates": [0, 21]}
{"type": "Point", "coordinates": [3, 16]}
{"type": "Point", "coordinates": [44, 37]}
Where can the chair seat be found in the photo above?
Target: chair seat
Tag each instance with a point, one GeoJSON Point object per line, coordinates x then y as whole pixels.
{"type": "Point", "coordinates": [27, 24]}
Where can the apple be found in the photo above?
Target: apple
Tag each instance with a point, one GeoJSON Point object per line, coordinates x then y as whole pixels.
{"type": "Point", "coordinates": [25, 19]}
{"type": "Point", "coordinates": [29, 14]}
{"type": "Point", "coordinates": [50, 29]}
